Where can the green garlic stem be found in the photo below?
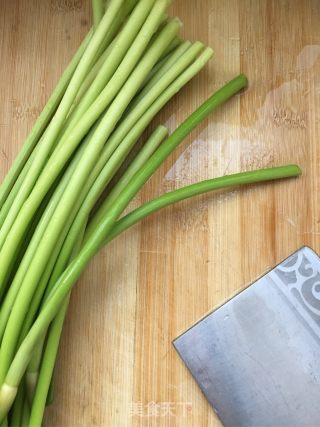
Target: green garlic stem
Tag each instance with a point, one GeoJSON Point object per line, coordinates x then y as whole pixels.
{"type": "Point", "coordinates": [143, 155]}
{"type": "Point", "coordinates": [60, 158]}
{"type": "Point", "coordinates": [111, 166]}
{"type": "Point", "coordinates": [109, 170]}
{"type": "Point", "coordinates": [243, 178]}
{"type": "Point", "coordinates": [90, 77]}
{"type": "Point", "coordinates": [136, 121]}
{"type": "Point", "coordinates": [9, 300]}
{"type": "Point", "coordinates": [105, 169]}
{"type": "Point", "coordinates": [73, 271]}
{"type": "Point", "coordinates": [118, 51]}
{"type": "Point", "coordinates": [69, 198]}
{"type": "Point", "coordinates": [176, 42]}
{"type": "Point", "coordinates": [86, 206]}
{"type": "Point", "coordinates": [59, 117]}
{"type": "Point", "coordinates": [25, 413]}
{"type": "Point", "coordinates": [148, 208]}
{"type": "Point", "coordinates": [168, 66]}
{"type": "Point", "coordinates": [70, 243]}
{"type": "Point", "coordinates": [41, 123]}
{"type": "Point", "coordinates": [21, 213]}
{"type": "Point", "coordinates": [47, 366]}
{"type": "Point", "coordinates": [48, 359]}
{"type": "Point", "coordinates": [44, 373]}
{"type": "Point", "coordinates": [16, 187]}
{"type": "Point", "coordinates": [174, 87]}
{"type": "Point", "coordinates": [152, 143]}
{"type": "Point", "coordinates": [129, 5]}
{"type": "Point", "coordinates": [97, 12]}
{"type": "Point", "coordinates": [17, 408]}
{"type": "Point", "coordinates": [227, 181]}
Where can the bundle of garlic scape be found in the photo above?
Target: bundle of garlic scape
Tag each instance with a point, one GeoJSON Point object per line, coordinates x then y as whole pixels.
{"type": "Point", "coordinates": [127, 68]}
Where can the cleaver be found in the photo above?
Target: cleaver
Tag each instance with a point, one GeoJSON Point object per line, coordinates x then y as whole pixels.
{"type": "Point", "coordinates": [257, 357]}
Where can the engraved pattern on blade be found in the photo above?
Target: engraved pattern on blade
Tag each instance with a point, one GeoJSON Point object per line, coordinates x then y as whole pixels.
{"type": "Point", "coordinates": [299, 276]}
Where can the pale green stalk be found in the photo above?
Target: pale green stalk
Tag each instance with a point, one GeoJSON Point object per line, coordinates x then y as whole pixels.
{"type": "Point", "coordinates": [15, 188]}
{"type": "Point", "coordinates": [9, 238]}
{"type": "Point", "coordinates": [38, 294]}
{"type": "Point", "coordinates": [97, 12]}
{"type": "Point", "coordinates": [227, 181]}
{"type": "Point", "coordinates": [168, 65]}
{"type": "Point", "coordinates": [9, 300]}
{"type": "Point", "coordinates": [33, 246]}
{"type": "Point", "coordinates": [42, 377]}
{"type": "Point", "coordinates": [73, 190]}
{"type": "Point", "coordinates": [17, 368]}
{"type": "Point", "coordinates": [113, 31]}
{"type": "Point", "coordinates": [105, 169]}
{"type": "Point", "coordinates": [117, 52]}
{"type": "Point", "coordinates": [32, 373]}
{"type": "Point", "coordinates": [92, 74]}
{"type": "Point", "coordinates": [61, 155]}
{"type": "Point", "coordinates": [41, 123]}
{"type": "Point", "coordinates": [39, 378]}
{"type": "Point", "coordinates": [100, 57]}
{"type": "Point", "coordinates": [129, 5]}
{"type": "Point", "coordinates": [126, 146]}
{"type": "Point", "coordinates": [66, 254]}
{"type": "Point", "coordinates": [86, 201]}
{"type": "Point", "coordinates": [174, 87]}
{"type": "Point", "coordinates": [173, 45]}
{"type": "Point", "coordinates": [138, 119]}
{"type": "Point", "coordinates": [76, 226]}
{"type": "Point", "coordinates": [47, 366]}
{"type": "Point", "coordinates": [59, 117]}
{"type": "Point", "coordinates": [143, 155]}
{"type": "Point", "coordinates": [16, 412]}
{"type": "Point", "coordinates": [52, 344]}
{"type": "Point", "coordinates": [97, 66]}
{"type": "Point", "coordinates": [243, 178]}
{"type": "Point", "coordinates": [155, 139]}
{"type": "Point", "coordinates": [25, 414]}
{"type": "Point", "coordinates": [138, 128]}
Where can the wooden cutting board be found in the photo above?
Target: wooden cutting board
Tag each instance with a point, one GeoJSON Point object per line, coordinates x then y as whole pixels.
{"type": "Point", "coordinates": [117, 366]}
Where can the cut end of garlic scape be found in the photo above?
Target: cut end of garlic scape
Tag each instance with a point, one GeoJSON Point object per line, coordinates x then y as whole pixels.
{"type": "Point", "coordinates": [7, 396]}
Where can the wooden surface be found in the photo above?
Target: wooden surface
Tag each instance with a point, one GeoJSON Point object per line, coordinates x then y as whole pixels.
{"type": "Point", "coordinates": [116, 359]}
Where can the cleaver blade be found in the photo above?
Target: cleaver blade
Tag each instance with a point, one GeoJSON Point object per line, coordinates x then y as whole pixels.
{"type": "Point", "coordinates": [257, 357]}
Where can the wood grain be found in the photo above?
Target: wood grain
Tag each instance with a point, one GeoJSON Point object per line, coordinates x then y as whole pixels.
{"type": "Point", "coordinates": [116, 358]}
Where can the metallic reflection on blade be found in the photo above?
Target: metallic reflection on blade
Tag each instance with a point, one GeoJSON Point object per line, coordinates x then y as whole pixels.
{"type": "Point", "coordinates": [257, 357]}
